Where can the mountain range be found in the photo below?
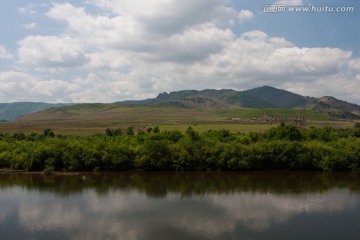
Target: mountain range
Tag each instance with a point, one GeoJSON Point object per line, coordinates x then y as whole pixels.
{"type": "Point", "coordinates": [260, 98]}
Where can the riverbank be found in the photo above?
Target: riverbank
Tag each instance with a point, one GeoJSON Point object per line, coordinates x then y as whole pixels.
{"type": "Point", "coordinates": [283, 147]}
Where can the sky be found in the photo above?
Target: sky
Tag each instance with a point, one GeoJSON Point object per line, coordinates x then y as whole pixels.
{"type": "Point", "coordinates": [114, 50]}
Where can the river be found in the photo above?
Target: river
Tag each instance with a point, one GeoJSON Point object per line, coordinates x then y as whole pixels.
{"type": "Point", "coordinates": [180, 205]}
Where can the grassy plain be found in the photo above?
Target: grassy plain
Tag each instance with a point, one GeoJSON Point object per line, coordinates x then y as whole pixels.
{"type": "Point", "coordinates": [86, 119]}
{"type": "Point", "coordinates": [232, 127]}
{"type": "Point", "coordinates": [272, 112]}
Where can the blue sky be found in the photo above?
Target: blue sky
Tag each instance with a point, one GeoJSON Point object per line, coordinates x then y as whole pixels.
{"type": "Point", "coordinates": [111, 50]}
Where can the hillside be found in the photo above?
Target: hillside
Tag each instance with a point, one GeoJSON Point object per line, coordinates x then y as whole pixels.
{"type": "Point", "coordinates": [91, 118]}
{"type": "Point", "coordinates": [186, 107]}
{"type": "Point", "coordinates": [277, 97]}
{"type": "Point", "coordinates": [258, 98]}
{"type": "Point", "coordinates": [11, 111]}
{"type": "Point", "coordinates": [262, 97]}
{"type": "Point", "coordinates": [334, 108]}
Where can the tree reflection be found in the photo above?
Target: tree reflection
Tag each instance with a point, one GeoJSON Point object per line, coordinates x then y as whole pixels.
{"type": "Point", "coordinates": [160, 184]}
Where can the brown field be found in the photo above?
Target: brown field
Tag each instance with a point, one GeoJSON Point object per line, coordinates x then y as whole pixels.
{"type": "Point", "coordinates": [86, 119]}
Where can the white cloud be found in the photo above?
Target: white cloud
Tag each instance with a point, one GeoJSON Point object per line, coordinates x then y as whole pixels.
{"type": "Point", "coordinates": [121, 49]}
{"type": "Point", "coordinates": [25, 87]}
{"type": "Point", "coordinates": [290, 2]}
{"type": "Point", "coordinates": [28, 10]}
{"type": "Point", "coordinates": [256, 56]}
{"type": "Point", "coordinates": [245, 15]}
{"type": "Point", "coordinates": [339, 85]}
{"type": "Point", "coordinates": [99, 32]}
{"type": "Point", "coordinates": [355, 64]}
{"type": "Point", "coordinates": [169, 16]}
{"type": "Point", "coordinates": [30, 25]}
{"type": "Point", "coordinates": [4, 53]}
{"type": "Point", "coordinates": [128, 33]}
{"type": "Point", "coordinates": [32, 8]}
{"type": "Point", "coordinates": [195, 44]}
{"type": "Point", "coordinates": [51, 52]}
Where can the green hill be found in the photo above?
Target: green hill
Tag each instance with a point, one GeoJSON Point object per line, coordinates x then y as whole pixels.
{"type": "Point", "coordinates": [258, 98]}
{"type": "Point", "coordinates": [278, 98]}
{"type": "Point", "coordinates": [334, 108]}
{"type": "Point", "coordinates": [90, 118]}
{"type": "Point", "coordinates": [182, 108]}
{"type": "Point", "coordinates": [262, 97]}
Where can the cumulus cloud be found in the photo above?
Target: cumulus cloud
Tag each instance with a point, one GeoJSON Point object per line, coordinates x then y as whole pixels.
{"type": "Point", "coordinates": [193, 40]}
{"type": "Point", "coordinates": [257, 57]}
{"type": "Point", "coordinates": [51, 52]}
{"type": "Point", "coordinates": [136, 49]}
{"type": "Point", "coordinates": [245, 15]}
{"type": "Point", "coordinates": [25, 87]}
{"type": "Point", "coordinates": [90, 88]}
{"type": "Point", "coordinates": [169, 16]}
{"type": "Point", "coordinates": [355, 64]}
{"type": "Point", "coordinates": [195, 44]}
{"type": "Point", "coordinates": [340, 85]}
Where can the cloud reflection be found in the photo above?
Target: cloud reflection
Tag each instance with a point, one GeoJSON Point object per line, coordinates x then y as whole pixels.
{"type": "Point", "coordinates": [132, 215]}
{"type": "Point", "coordinates": [260, 211]}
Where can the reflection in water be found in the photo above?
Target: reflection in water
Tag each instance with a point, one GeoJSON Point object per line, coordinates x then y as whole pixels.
{"type": "Point", "coordinates": [259, 211]}
{"type": "Point", "coordinates": [179, 206]}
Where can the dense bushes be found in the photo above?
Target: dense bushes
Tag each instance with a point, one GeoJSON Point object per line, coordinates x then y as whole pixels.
{"type": "Point", "coordinates": [283, 147]}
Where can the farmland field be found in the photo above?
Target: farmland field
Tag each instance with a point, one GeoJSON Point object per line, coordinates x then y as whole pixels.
{"type": "Point", "coordinates": [85, 119]}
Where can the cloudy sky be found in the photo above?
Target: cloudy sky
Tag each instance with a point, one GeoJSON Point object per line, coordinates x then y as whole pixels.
{"type": "Point", "coordinates": [111, 50]}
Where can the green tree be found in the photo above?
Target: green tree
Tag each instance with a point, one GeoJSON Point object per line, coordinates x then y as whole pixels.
{"type": "Point", "coordinates": [130, 131]}
{"type": "Point", "coordinates": [49, 133]}
{"type": "Point", "coordinates": [156, 129]}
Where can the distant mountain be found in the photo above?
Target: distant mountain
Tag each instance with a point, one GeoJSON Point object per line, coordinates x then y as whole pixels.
{"type": "Point", "coordinates": [334, 108]}
{"type": "Point", "coordinates": [11, 111]}
{"type": "Point", "coordinates": [278, 98]}
{"type": "Point", "coordinates": [196, 99]}
{"type": "Point", "coordinates": [262, 97]}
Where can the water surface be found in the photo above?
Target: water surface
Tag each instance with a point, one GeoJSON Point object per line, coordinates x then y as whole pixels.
{"type": "Point", "coordinates": [205, 205]}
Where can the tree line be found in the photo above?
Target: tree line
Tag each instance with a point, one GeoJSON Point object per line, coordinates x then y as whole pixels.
{"type": "Point", "coordinates": [282, 147]}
